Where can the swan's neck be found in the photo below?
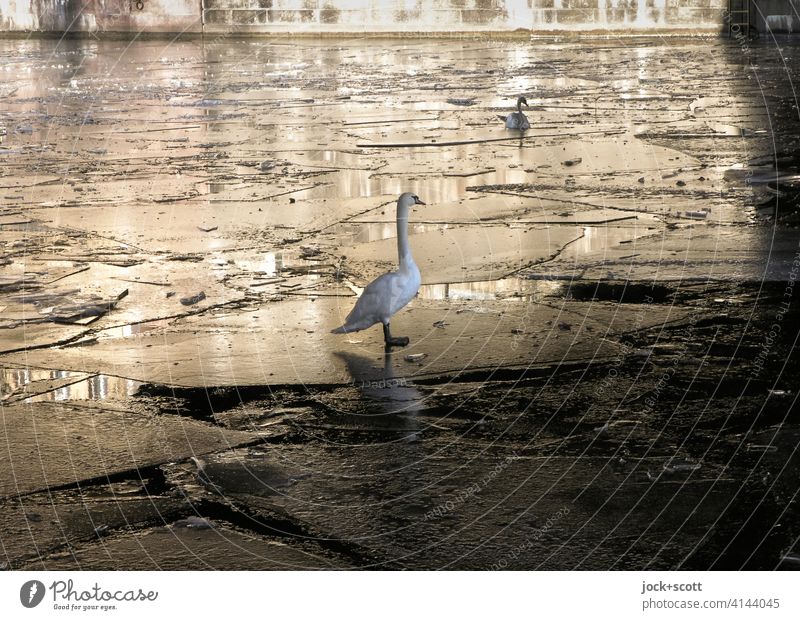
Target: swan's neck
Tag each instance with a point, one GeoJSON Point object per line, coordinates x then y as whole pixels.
{"type": "Point", "coordinates": [403, 249]}
{"type": "Point", "coordinates": [519, 107]}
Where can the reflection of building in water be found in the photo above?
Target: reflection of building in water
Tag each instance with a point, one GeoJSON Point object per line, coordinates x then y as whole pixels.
{"type": "Point", "coordinates": [507, 288]}
{"type": "Point", "coordinates": [61, 385]}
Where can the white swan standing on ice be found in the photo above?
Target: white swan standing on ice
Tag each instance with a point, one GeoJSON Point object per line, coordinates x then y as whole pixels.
{"type": "Point", "coordinates": [388, 293]}
{"type": "Point", "coordinates": [517, 120]}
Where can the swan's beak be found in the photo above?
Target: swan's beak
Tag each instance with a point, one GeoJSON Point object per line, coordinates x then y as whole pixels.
{"type": "Point", "coordinates": [417, 201]}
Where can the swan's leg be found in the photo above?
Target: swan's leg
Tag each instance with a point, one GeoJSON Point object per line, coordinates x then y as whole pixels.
{"type": "Point", "coordinates": [393, 342]}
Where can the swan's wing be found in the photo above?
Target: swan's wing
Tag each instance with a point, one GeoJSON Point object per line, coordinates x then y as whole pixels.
{"type": "Point", "coordinates": [373, 305]}
{"type": "Point", "coordinates": [517, 120]}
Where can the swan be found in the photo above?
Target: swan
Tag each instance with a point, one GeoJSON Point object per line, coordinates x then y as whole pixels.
{"type": "Point", "coordinates": [388, 293]}
{"type": "Point", "coordinates": [517, 120]}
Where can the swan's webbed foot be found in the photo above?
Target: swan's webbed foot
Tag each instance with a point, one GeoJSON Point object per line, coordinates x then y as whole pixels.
{"type": "Point", "coordinates": [400, 341]}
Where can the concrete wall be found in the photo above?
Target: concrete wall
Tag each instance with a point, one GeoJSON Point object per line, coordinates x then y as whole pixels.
{"type": "Point", "coordinates": [372, 16]}
{"type": "Point", "coordinates": [100, 16]}
{"type": "Point", "coordinates": [460, 15]}
{"type": "Point", "coordinates": [777, 15]}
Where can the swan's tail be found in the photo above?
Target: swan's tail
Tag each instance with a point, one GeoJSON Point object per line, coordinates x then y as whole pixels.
{"type": "Point", "coordinates": [349, 328]}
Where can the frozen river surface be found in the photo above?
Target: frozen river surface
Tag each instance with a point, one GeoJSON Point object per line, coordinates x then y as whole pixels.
{"type": "Point", "coordinates": [602, 369]}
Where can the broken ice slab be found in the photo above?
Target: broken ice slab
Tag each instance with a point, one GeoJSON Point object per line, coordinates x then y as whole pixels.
{"type": "Point", "coordinates": [85, 312]}
{"type": "Point", "coordinates": [685, 466]}
{"type": "Point", "coordinates": [462, 102]}
{"type": "Point", "coordinates": [308, 252]}
{"type": "Point", "coordinates": [14, 219]}
{"type": "Point", "coordinates": [10, 284]}
{"type": "Point", "coordinates": [43, 300]}
{"type": "Point", "coordinates": [193, 299]}
{"type": "Point", "coordinates": [194, 523]}
{"type": "Point", "coordinates": [192, 258]}
{"type": "Point", "coordinates": [755, 447]}
{"type": "Point", "coordinates": [779, 392]}
{"type": "Point", "coordinates": [602, 430]}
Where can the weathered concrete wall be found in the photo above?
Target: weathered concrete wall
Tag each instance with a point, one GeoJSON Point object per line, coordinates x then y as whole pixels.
{"type": "Point", "coordinates": [331, 16]}
{"type": "Point", "coordinates": [370, 15]}
{"type": "Point", "coordinates": [100, 15]}
{"type": "Point", "coordinates": [427, 16]}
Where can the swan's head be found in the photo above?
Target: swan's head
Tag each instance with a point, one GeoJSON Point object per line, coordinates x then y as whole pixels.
{"type": "Point", "coordinates": [408, 200]}
{"type": "Point", "coordinates": [522, 100]}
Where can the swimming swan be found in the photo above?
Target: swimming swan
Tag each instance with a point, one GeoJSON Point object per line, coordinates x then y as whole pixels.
{"type": "Point", "coordinates": [517, 120]}
{"type": "Point", "coordinates": [388, 293]}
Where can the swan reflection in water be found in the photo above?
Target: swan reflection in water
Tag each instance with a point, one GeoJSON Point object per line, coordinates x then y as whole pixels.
{"type": "Point", "coordinates": [390, 403]}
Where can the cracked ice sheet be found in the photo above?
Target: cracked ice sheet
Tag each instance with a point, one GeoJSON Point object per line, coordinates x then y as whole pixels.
{"type": "Point", "coordinates": [485, 209]}
{"type": "Point", "coordinates": [460, 254]}
{"type": "Point", "coordinates": [174, 227]}
{"type": "Point", "coordinates": [28, 324]}
{"type": "Point", "coordinates": [408, 524]}
{"type": "Point", "coordinates": [457, 253]}
{"type": "Point", "coordinates": [37, 525]}
{"type": "Point", "coordinates": [219, 547]}
{"type": "Point", "coordinates": [289, 342]}
{"type": "Point", "coordinates": [46, 445]}
{"type": "Point", "coordinates": [693, 252]}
